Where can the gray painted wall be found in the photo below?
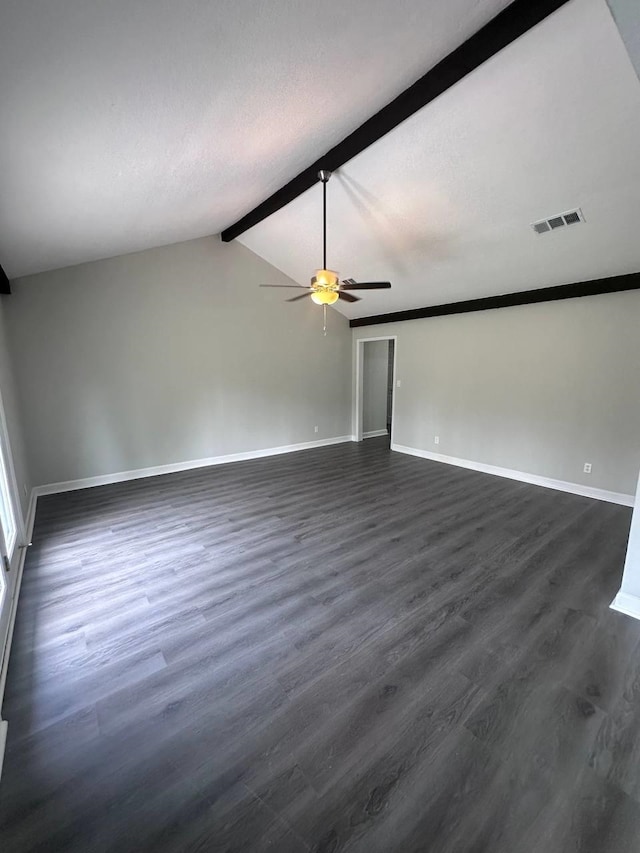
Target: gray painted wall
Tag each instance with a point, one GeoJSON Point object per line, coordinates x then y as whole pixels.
{"type": "Point", "coordinates": [375, 364]}
{"type": "Point", "coordinates": [12, 413]}
{"type": "Point", "coordinates": [171, 355]}
{"type": "Point", "coordinates": [626, 14]}
{"type": "Point", "coordinates": [540, 389]}
{"type": "Point", "coordinates": [631, 577]}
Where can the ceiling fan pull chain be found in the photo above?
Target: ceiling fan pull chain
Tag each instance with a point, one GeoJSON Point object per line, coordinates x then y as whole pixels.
{"type": "Point", "coordinates": [325, 320]}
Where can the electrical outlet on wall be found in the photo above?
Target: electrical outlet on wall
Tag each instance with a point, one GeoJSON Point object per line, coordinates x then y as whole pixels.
{"type": "Point", "coordinates": [399, 383]}
{"type": "Point", "coordinates": [315, 429]}
{"type": "Point", "coordinates": [436, 439]}
{"type": "Point", "coordinates": [587, 467]}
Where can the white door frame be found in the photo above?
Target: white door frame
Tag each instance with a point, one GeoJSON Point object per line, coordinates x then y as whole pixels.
{"type": "Point", "coordinates": [7, 615]}
{"type": "Point", "coordinates": [357, 414]}
{"type": "Point", "coordinates": [14, 493]}
{"type": "Point", "coordinates": [6, 592]}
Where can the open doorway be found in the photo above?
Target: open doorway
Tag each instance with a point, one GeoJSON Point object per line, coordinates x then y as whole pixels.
{"type": "Point", "coordinates": [375, 380]}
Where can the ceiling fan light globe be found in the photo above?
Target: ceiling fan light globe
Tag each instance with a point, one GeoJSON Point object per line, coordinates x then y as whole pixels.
{"type": "Point", "coordinates": [324, 297]}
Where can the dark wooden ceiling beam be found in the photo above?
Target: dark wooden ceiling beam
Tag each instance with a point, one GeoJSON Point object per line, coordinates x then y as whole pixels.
{"type": "Point", "coordinates": [519, 17]}
{"type": "Point", "coordinates": [5, 286]}
{"type": "Point", "coordinates": [614, 284]}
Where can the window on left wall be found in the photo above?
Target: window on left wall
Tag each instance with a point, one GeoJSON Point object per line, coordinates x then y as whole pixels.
{"type": "Point", "coordinates": [8, 521]}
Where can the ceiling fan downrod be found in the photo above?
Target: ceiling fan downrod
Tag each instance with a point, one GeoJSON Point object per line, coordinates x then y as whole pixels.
{"type": "Point", "coordinates": [324, 176]}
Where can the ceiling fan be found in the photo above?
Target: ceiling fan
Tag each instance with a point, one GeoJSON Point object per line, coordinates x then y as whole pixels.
{"type": "Point", "coordinates": [326, 287]}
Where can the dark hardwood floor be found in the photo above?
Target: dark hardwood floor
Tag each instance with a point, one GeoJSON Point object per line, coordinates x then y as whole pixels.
{"type": "Point", "coordinates": [338, 649]}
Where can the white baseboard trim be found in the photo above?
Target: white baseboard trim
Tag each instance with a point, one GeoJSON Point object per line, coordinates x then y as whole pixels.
{"type": "Point", "coordinates": [627, 604]}
{"type": "Point", "coordinates": [374, 433]}
{"type": "Point", "coordinates": [31, 516]}
{"type": "Point", "coordinates": [3, 742]}
{"type": "Point", "coordinates": [29, 522]}
{"type": "Point", "coordinates": [534, 479]}
{"type": "Point", "coordinates": [173, 467]}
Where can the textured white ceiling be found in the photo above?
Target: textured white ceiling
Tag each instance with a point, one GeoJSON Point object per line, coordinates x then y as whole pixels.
{"type": "Point", "coordinates": [134, 123]}
{"type": "Point", "coordinates": [443, 204]}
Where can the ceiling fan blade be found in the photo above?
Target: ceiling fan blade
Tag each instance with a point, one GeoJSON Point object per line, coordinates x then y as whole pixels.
{"type": "Point", "coordinates": [348, 297]}
{"type": "Point", "coordinates": [284, 285]}
{"type": "Point", "coordinates": [295, 298]}
{"type": "Point", "coordinates": [350, 284]}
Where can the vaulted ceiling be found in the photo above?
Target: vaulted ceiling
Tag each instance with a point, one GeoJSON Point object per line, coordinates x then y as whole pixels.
{"type": "Point", "coordinates": [443, 205]}
{"type": "Point", "coordinates": [138, 123]}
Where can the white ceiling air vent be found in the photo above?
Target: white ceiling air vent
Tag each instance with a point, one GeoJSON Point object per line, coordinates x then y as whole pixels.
{"type": "Point", "coordinates": [571, 217]}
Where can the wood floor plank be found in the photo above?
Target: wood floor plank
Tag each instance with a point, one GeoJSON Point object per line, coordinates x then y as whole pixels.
{"type": "Point", "coordinates": [342, 649]}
